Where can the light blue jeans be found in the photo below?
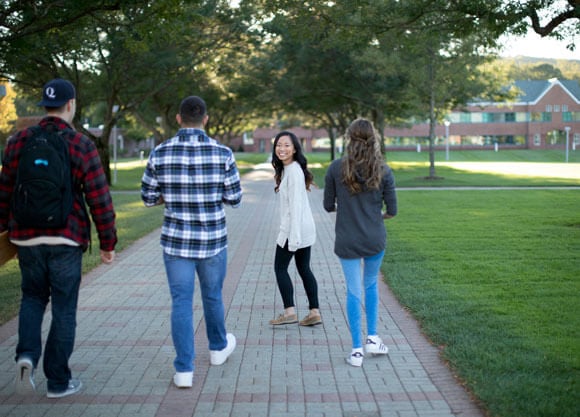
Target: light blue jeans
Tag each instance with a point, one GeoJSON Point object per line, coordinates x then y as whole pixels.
{"type": "Point", "coordinates": [211, 273]}
{"type": "Point", "coordinates": [352, 269]}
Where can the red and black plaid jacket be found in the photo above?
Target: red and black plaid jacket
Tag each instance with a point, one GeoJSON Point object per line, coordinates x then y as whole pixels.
{"type": "Point", "coordinates": [89, 182]}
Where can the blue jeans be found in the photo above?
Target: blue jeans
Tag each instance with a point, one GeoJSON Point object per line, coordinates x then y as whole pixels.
{"type": "Point", "coordinates": [181, 278]}
{"type": "Point", "coordinates": [49, 273]}
{"type": "Point", "coordinates": [370, 272]}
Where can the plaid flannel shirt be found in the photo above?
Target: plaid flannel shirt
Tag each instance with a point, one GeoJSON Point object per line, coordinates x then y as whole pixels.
{"type": "Point", "coordinates": [194, 176]}
{"type": "Point", "coordinates": [89, 182]}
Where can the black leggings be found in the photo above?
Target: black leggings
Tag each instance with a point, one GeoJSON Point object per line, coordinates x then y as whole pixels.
{"type": "Point", "coordinates": [302, 259]}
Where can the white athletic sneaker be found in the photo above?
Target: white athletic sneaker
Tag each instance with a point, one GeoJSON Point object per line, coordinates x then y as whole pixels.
{"type": "Point", "coordinates": [355, 358]}
{"type": "Point", "coordinates": [183, 379]}
{"type": "Point", "coordinates": [74, 386]}
{"type": "Point", "coordinates": [24, 382]}
{"type": "Point", "coordinates": [375, 346]}
{"type": "Point", "coordinates": [217, 357]}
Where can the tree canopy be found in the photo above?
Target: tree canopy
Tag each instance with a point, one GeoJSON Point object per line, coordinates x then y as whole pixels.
{"type": "Point", "coordinates": [256, 62]}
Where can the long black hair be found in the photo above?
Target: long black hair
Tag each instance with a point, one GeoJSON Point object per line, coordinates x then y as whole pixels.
{"type": "Point", "coordinates": [298, 157]}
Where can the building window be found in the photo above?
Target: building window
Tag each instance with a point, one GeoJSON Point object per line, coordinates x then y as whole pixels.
{"type": "Point", "coordinates": [556, 137]}
{"type": "Point", "coordinates": [509, 139]}
{"type": "Point", "coordinates": [548, 108]}
{"type": "Point", "coordinates": [556, 108]}
{"type": "Point", "coordinates": [493, 117]}
{"type": "Point", "coordinates": [510, 117]}
{"type": "Point", "coordinates": [476, 118]}
{"type": "Point", "coordinates": [454, 117]}
{"type": "Point", "coordinates": [537, 139]}
{"type": "Point", "coordinates": [541, 117]}
{"type": "Point", "coordinates": [564, 107]}
{"type": "Point", "coordinates": [571, 116]}
{"type": "Point", "coordinates": [522, 117]}
{"type": "Point", "coordinates": [465, 117]}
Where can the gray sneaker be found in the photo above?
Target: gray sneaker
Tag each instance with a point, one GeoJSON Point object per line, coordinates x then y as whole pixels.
{"type": "Point", "coordinates": [24, 382]}
{"type": "Point", "coordinates": [74, 386]}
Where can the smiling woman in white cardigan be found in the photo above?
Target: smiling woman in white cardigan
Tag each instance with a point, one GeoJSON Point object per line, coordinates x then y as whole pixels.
{"type": "Point", "coordinates": [297, 231]}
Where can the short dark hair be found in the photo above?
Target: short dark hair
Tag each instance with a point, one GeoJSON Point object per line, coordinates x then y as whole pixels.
{"type": "Point", "coordinates": [192, 110]}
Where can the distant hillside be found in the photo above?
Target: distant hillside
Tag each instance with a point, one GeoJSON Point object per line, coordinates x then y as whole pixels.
{"type": "Point", "coordinates": [534, 60]}
{"type": "Point", "coordinates": [532, 68]}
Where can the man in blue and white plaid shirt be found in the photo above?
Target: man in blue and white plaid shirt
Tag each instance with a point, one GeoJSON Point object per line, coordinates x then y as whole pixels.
{"type": "Point", "coordinates": [194, 176]}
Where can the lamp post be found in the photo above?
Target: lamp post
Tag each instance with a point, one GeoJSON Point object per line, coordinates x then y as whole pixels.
{"type": "Point", "coordinates": [115, 110]}
{"type": "Point", "coordinates": [567, 129]}
{"type": "Point", "coordinates": [447, 123]}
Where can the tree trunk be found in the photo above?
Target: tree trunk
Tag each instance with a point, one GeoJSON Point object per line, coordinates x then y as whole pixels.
{"type": "Point", "coordinates": [379, 122]}
{"type": "Point", "coordinates": [331, 129]}
{"type": "Point", "coordinates": [432, 122]}
{"type": "Point", "coordinates": [103, 150]}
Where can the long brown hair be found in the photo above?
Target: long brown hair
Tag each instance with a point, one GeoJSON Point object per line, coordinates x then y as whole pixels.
{"type": "Point", "coordinates": [363, 164]}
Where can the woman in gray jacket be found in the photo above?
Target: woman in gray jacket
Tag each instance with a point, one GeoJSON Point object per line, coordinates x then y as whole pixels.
{"type": "Point", "coordinates": [357, 187]}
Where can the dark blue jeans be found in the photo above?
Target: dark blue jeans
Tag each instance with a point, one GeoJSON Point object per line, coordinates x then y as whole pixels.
{"type": "Point", "coordinates": [49, 273]}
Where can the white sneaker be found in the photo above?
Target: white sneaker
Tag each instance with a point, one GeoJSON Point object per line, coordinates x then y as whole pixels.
{"type": "Point", "coordinates": [74, 386]}
{"type": "Point", "coordinates": [355, 359]}
{"type": "Point", "coordinates": [183, 379]}
{"type": "Point", "coordinates": [24, 382]}
{"type": "Point", "coordinates": [217, 357]}
{"type": "Point", "coordinates": [375, 346]}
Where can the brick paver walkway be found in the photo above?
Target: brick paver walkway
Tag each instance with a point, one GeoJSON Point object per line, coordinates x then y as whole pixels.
{"type": "Point", "coordinates": [124, 351]}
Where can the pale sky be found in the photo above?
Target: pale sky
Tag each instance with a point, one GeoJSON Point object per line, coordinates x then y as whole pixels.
{"type": "Point", "coordinates": [535, 46]}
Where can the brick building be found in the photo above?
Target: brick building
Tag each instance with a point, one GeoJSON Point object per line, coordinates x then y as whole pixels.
{"type": "Point", "coordinates": [538, 119]}
{"type": "Point", "coordinates": [261, 139]}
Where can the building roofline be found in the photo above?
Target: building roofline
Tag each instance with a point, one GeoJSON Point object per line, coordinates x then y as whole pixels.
{"type": "Point", "coordinates": [551, 84]}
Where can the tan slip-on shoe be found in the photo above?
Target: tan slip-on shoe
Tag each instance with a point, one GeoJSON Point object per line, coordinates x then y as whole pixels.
{"type": "Point", "coordinates": [282, 319]}
{"type": "Point", "coordinates": [311, 320]}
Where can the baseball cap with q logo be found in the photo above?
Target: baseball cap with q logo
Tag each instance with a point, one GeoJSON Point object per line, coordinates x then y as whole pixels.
{"type": "Point", "coordinates": [56, 93]}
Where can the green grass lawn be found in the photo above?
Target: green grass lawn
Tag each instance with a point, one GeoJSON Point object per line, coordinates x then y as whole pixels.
{"type": "Point", "coordinates": [493, 276]}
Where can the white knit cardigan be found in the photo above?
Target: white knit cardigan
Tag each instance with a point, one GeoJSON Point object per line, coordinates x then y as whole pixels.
{"type": "Point", "coordinates": [296, 221]}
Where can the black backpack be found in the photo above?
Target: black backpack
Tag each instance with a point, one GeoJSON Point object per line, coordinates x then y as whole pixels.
{"type": "Point", "coordinates": [43, 193]}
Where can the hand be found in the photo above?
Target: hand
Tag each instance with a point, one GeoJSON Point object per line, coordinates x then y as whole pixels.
{"type": "Point", "coordinates": [107, 257]}
{"type": "Point", "coordinates": [387, 216]}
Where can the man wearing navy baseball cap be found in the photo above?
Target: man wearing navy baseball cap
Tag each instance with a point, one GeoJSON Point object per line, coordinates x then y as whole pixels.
{"type": "Point", "coordinates": [50, 259]}
{"type": "Point", "coordinates": [56, 93]}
